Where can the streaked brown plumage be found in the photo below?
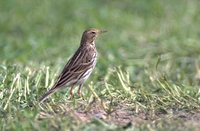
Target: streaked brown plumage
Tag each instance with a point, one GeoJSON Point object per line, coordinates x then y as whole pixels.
{"type": "Point", "coordinates": [80, 66]}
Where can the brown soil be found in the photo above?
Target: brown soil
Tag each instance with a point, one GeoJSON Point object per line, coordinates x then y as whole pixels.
{"type": "Point", "coordinates": [121, 114]}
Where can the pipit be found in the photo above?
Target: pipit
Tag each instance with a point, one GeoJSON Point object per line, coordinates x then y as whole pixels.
{"type": "Point", "coordinates": [79, 67]}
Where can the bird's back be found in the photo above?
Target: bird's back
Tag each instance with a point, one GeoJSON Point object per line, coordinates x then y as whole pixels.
{"type": "Point", "coordinates": [79, 67]}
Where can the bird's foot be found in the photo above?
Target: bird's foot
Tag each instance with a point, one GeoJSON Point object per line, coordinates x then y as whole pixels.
{"type": "Point", "coordinates": [71, 96]}
{"type": "Point", "coordinates": [81, 96]}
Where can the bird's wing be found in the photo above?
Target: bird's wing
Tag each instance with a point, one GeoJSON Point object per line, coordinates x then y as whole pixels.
{"type": "Point", "coordinates": [75, 68]}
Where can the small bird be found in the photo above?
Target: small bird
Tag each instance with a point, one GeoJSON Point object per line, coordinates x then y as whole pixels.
{"type": "Point", "coordinates": [79, 67]}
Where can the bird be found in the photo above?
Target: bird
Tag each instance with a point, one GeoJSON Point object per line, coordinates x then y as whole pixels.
{"type": "Point", "coordinates": [80, 65]}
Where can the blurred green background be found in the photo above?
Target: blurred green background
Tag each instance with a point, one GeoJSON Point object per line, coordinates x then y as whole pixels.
{"type": "Point", "coordinates": [140, 31]}
{"type": "Point", "coordinates": [46, 30]}
{"type": "Point", "coordinates": [144, 37]}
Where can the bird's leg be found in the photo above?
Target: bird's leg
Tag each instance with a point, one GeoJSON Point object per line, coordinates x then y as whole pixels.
{"type": "Point", "coordinates": [79, 91]}
{"type": "Point", "coordinates": [71, 93]}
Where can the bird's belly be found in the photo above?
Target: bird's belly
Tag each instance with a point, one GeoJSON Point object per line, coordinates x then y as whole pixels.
{"type": "Point", "coordinates": [85, 76]}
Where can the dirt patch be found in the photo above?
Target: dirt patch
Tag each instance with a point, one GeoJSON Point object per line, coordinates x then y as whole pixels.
{"type": "Point", "coordinates": [121, 114]}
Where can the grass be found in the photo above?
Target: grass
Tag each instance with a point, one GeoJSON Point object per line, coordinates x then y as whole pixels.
{"type": "Point", "coordinates": [147, 75]}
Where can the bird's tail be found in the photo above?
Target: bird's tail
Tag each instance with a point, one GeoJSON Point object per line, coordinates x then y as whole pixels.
{"type": "Point", "coordinates": [47, 94]}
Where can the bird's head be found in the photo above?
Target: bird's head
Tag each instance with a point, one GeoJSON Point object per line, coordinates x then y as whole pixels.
{"type": "Point", "coordinates": [90, 35]}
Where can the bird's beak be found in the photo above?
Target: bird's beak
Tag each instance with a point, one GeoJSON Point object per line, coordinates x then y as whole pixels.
{"type": "Point", "coordinates": [102, 31]}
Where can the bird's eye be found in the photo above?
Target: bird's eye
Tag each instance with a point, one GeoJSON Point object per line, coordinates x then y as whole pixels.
{"type": "Point", "coordinates": [93, 32]}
